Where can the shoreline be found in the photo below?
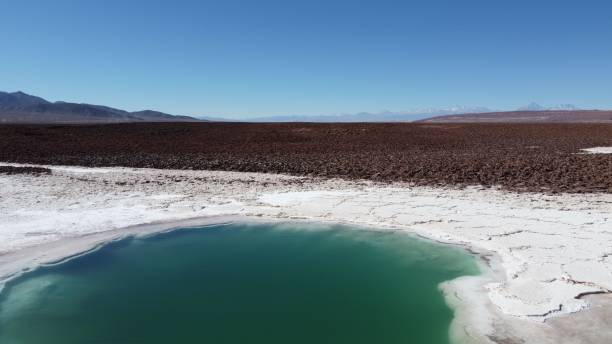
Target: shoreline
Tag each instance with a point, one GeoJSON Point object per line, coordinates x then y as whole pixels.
{"type": "Point", "coordinates": [168, 199]}
{"type": "Point", "coordinates": [15, 264]}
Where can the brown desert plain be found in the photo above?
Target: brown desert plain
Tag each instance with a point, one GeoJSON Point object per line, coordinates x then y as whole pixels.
{"type": "Point", "coordinates": [522, 157]}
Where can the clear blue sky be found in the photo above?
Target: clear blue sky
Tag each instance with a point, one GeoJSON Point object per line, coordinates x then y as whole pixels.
{"type": "Point", "coordinates": [248, 58]}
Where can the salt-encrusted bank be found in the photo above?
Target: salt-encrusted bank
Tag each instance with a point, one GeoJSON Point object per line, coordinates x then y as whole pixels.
{"type": "Point", "coordinates": [552, 248]}
{"type": "Point", "coordinates": [598, 150]}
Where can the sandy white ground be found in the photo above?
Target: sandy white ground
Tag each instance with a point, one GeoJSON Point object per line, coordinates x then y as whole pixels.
{"type": "Point", "coordinates": [546, 251]}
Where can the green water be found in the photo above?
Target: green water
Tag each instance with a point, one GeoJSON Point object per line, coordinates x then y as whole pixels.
{"type": "Point", "coordinates": [288, 283]}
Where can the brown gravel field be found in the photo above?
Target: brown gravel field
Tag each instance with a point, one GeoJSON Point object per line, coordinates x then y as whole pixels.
{"type": "Point", "coordinates": [24, 170]}
{"type": "Point", "coordinates": [520, 157]}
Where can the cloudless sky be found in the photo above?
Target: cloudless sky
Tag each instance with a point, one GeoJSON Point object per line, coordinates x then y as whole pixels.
{"type": "Point", "coordinates": [265, 57]}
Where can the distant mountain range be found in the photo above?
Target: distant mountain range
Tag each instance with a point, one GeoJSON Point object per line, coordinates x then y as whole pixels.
{"type": "Point", "coordinates": [19, 107]}
{"type": "Point", "coordinates": [401, 116]}
{"type": "Point", "coordinates": [384, 116]}
{"type": "Point", "coordinates": [531, 113]}
{"type": "Point", "coordinates": [528, 116]}
{"type": "Point", "coordinates": [538, 107]}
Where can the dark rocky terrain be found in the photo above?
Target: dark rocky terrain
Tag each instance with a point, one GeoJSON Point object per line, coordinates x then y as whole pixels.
{"type": "Point", "coordinates": [522, 157]}
{"type": "Point", "coordinates": [24, 170]}
{"type": "Point", "coordinates": [19, 107]}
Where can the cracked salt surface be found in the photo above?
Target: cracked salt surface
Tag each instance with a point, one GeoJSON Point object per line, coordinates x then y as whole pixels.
{"type": "Point", "coordinates": [552, 248]}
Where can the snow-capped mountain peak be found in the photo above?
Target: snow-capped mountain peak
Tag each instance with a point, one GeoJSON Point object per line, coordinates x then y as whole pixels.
{"type": "Point", "coordinates": [532, 107]}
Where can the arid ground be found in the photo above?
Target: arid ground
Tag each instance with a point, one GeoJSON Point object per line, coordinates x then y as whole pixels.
{"type": "Point", "coordinates": [542, 253]}
{"type": "Point", "coordinates": [529, 157]}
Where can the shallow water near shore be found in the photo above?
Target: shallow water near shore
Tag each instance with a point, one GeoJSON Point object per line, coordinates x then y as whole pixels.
{"type": "Point", "coordinates": [241, 283]}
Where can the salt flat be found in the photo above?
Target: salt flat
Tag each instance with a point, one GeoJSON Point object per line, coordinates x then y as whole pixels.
{"type": "Point", "coordinates": [598, 150]}
{"type": "Point", "coordinates": [544, 251]}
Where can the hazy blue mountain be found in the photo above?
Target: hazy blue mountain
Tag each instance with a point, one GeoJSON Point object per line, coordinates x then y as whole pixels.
{"type": "Point", "coordinates": [15, 99]}
{"type": "Point", "coordinates": [384, 116]}
{"type": "Point", "coordinates": [564, 107]}
{"type": "Point", "coordinates": [151, 114]}
{"type": "Point", "coordinates": [19, 107]}
{"type": "Point", "coordinates": [537, 107]}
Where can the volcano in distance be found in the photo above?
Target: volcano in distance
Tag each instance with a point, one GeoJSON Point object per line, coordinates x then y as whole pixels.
{"type": "Point", "coordinates": [19, 107]}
